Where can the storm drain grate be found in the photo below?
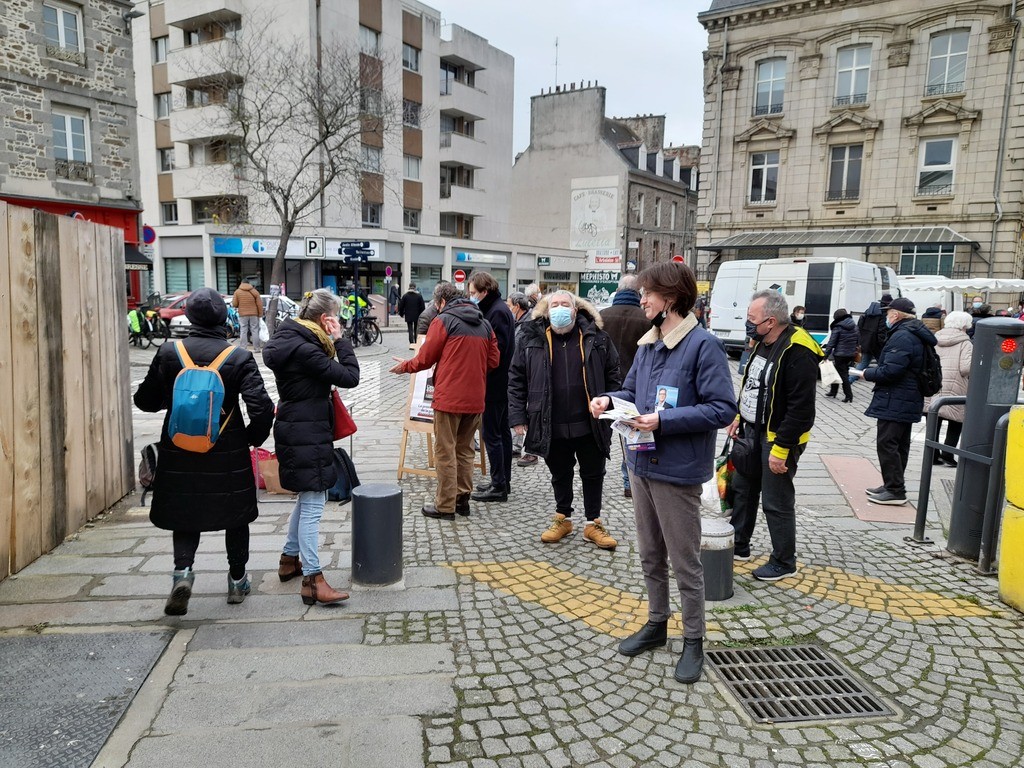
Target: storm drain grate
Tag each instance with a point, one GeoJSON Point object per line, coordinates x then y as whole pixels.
{"type": "Point", "coordinates": [793, 683]}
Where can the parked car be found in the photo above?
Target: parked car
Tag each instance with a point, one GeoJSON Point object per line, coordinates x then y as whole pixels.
{"type": "Point", "coordinates": [180, 324]}
{"type": "Point", "coordinates": [171, 307]}
{"type": "Point", "coordinates": [285, 307]}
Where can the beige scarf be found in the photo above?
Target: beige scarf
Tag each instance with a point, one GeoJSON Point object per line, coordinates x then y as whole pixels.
{"type": "Point", "coordinates": [325, 341]}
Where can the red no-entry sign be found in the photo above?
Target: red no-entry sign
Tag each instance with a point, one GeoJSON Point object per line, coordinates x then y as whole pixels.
{"type": "Point", "coordinates": [677, 259]}
{"type": "Point", "coordinates": [460, 276]}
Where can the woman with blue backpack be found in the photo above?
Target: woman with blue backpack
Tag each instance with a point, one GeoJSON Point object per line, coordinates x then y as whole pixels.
{"type": "Point", "coordinates": [308, 358]}
{"type": "Point", "coordinates": [204, 480]}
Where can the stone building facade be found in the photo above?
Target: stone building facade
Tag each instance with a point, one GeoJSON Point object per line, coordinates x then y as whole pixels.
{"type": "Point", "coordinates": [875, 116]}
{"type": "Point", "coordinates": [67, 113]}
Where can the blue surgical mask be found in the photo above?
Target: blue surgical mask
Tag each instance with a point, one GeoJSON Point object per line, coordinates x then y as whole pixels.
{"type": "Point", "coordinates": [475, 299]}
{"type": "Point", "coordinates": [888, 324]}
{"type": "Point", "coordinates": [561, 317]}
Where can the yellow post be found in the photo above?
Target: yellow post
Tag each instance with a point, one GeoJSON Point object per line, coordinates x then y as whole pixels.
{"type": "Point", "coordinates": [1011, 545]}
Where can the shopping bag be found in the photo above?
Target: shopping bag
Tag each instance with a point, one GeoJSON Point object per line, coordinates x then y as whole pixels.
{"type": "Point", "coordinates": [343, 423]}
{"type": "Point", "coordinates": [264, 331]}
{"type": "Point", "coordinates": [829, 374]}
{"type": "Point", "coordinates": [723, 480]}
{"type": "Point", "coordinates": [257, 455]}
{"type": "Point", "coordinates": [270, 471]}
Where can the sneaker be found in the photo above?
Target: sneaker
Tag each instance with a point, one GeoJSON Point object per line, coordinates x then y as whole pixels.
{"type": "Point", "coordinates": [528, 460]}
{"type": "Point", "coordinates": [238, 590]}
{"type": "Point", "coordinates": [772, 572]}
{"type": "Point", "coordinates": [181, 591]}
{"type": "Point", "coordinates": [743, 555]}
{"type": "Point", "coordinates": [596, 532]}
{"type": "Point", "coordinates": [875, 491]}
{"type": "Point", "coordinates": [887, 497]}
{"type": "Point", "coordinates": [560, 527]}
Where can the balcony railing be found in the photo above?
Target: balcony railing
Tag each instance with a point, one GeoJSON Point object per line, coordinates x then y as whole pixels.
{"type": "Point", "coordinates": [834, 195]}
{"type": "Point", "coordinates": [940, 89]}
{"type": "Point", "coordinates": [854, 98]}
{"type": "Point", "coordinates": [768, 109]}
{"type": "Point", "coordinates": [448, 186]}
{"type": "Point", "coordinates": [74, 170]}
{"type": "Point", "coordinates": [935, 190]}
{"type": "Point", "coordinates": [752, 201]}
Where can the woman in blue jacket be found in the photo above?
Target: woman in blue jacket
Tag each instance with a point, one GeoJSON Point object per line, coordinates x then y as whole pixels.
{"type": "Point", "coordinates": [680, 383]}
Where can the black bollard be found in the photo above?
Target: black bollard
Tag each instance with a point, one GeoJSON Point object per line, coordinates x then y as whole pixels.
{"type": "Point", "coordinates": [716, 550]}
{"type": "Point", "coordinates": [377, 534]}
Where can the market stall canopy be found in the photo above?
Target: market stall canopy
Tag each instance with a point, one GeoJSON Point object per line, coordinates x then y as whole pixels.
{"type": "Point", "coordinates": [972, 285]}
{"type": "Point", "coordinates": [856, 237]}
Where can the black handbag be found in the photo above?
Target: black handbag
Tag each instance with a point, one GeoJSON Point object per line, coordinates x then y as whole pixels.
{"type": "Point", "coordinates": [746, 454]}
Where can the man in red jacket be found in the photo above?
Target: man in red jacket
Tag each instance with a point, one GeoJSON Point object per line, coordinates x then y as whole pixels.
{"type": "Point", "coordinates": [462, 347]}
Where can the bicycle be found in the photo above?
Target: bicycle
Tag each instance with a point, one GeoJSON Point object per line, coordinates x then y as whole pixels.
{"type": "Point", "coordinates": [362, 330]}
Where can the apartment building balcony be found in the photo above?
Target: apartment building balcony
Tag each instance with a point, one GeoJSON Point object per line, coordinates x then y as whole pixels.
{"type": "Point", "coordinates": [218, 180]}
{"type": "Point", "coordinates": [459, 149]}
{"type": "Point", "coordinates": [196, 123]}
{"type": "Point", "coordinates": [461, 100]}
{"type": "Point", "coordinates": [460, 46]}
{"type": "Point", "coordinates": [465, 200]}
{"type": "Point", "coordinates": [200, 63]}
{"type": "Point", "coordinates": [189, 14]}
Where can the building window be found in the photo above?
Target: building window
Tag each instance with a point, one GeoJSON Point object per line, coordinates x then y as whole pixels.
{"type": "Point", "coordinates": [411, 220]}
{"type": "Point", "coordinates": [935, 170]}
{"type": "Point", "coordinates": [216, 30]}
{"type": "Point", "coordinates": [410, 113]}
{"type": "Point", "coordinates": [169, 213]}
{"type": "Point", "coordinates": [372, 159]}
{"type": "Point", "coordinates": [165, 160]}
{"type": "Point", "coordinates": [657, 212]}
{"type": "Point", "coordinates": [655, 249]}
{"type": "Point", "coordinates": [371, 214]}
{"type": "Point", "coordinates": [62, 26]}
{"type": "Point", "coordinates": [927, 260]}
{"type": "Point", "coordinates": [221, 210]}
{"type": "Point", "coordinates": [370, 100]}
{"type": "Point", "coordinates": [447, 224]}
{"type": "Point", "coordinates": [853, 70]}
{"type": "Point", "coordinates": [947, 63]}
{"type": "Point", "coordinates": [159, 50]}
{"type": "Point", "coordinates": [764, 177]}
{"type": "Point", "coordinates": [369, 41]}
{"type": "Point", "coordinates": [771, 86]}
{"type": "Point", "coordinates": [639, 208]}
{"type": "Point", "coordinates": [163, 105]}
{"type": "Point", "coordinates": [411, 167]}
{"type": "Point", "coordinates": [844, 172]}
{"type": "Point", "coordinates": [70, 137]}
{"type": "Point", "coordinates": [215, 153]}
{"type": "Point", "coordinates": [410, 57]}
{"type": "Point", "coordinates": [672, 216]}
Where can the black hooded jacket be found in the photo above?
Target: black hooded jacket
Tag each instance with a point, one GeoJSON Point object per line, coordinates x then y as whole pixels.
{"type": "Point", "coordinates": [305, 420]}
{"type": "Point", "coordinates": [210, 491]}
{"type": "Point", "coordinates": [872, 330]}
{"type": "Point", "coordinates": [497, 313]}
{"type": "Point", "coordinates": [844, 338]}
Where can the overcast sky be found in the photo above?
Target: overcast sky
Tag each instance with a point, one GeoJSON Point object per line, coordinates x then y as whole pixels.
{"type": "Point", "coordinates": [646, 53]}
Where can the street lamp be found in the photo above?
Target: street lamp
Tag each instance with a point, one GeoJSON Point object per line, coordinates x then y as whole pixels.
{"type": "Point", "coordinates": [127, 17]}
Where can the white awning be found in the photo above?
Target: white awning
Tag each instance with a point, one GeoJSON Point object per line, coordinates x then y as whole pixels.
{"type": "Point", "coordinates": [851, 237]}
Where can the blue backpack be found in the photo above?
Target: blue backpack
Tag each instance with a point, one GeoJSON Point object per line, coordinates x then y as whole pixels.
{"type": "Point", "coordinates": [196, 402]}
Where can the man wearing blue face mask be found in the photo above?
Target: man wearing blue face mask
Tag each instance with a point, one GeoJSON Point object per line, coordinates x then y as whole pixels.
{"type": "Point", "coordinates": [562, 359]}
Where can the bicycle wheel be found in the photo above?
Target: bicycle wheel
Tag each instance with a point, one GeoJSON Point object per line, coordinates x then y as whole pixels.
{"type": "Point", "coordinates": [161, 333]}
{"type": "Point", "coordinates": [144, 338]}
{"type": "Point", "coordinates": [377, 335]}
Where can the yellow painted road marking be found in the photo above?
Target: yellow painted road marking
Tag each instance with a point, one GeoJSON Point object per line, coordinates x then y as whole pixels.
{"type": "Point", "coordinates": [899, 601]}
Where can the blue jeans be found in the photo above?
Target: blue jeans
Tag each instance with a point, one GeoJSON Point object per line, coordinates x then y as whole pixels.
{"type": "Point", "coordinates": [865, 361]}
{"type": "Point", "coordinates": [304, 530]}
{"type": "Point", "coordinates": [625, 466]}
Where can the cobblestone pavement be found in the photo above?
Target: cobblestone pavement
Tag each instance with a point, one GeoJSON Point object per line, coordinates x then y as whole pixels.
{"type": "Point", "coordinates": [525, 633]}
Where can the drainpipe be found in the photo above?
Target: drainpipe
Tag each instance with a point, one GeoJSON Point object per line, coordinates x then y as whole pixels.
{"type": "Point", "coordinates": [1000, 157]}
{"type": "Point", "coordinates": [718, 141]}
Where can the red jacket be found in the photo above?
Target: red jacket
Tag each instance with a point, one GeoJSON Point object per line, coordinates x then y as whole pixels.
{"type": "Point", "coordinates": [463, 347]}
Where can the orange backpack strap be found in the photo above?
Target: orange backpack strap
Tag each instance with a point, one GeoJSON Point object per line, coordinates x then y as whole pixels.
{"type": "Point", "coordinates": [183, 356]}
{"type": "Point", "coordinates": [218, 361]}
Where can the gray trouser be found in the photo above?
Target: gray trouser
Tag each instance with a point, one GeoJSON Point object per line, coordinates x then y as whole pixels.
{"type": "Point", "coordinates": [668, 528]}
{"type": "Point", "coordinates": [249, 324]}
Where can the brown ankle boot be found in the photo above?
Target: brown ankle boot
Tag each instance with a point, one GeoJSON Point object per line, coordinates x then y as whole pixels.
{"type": "Point", "coordinates": [289, 568]}
{"type": "Point", "coordinates": [315, 589]}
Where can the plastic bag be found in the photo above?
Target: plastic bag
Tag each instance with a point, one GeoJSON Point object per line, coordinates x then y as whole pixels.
{"type": "Point", "coordinates": [829, 374]}
{"type": "Point", "coordinates": [716, 494]}
{"type": "Point", "coordinates": [264, 331]}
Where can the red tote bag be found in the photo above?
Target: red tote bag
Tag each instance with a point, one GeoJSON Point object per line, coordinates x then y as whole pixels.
{"type": "Point", "coordinates": [343, 424]}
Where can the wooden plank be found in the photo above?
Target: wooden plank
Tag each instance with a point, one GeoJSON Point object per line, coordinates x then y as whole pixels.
{"type": "Point", "coordinates": [126, 443]}
{"type": "Point", "coordinates": [75, 467]}
{"type": "Point", "coordinates": [26, 545]}
{"type": "Point", "coordinates": [108, 373]}
{"type": "Point", "coordinates": [90, 379]}
{"type": "Point", "coordinates": [52, 513]}
{"type": "Point", "coordinates": [6, 400]}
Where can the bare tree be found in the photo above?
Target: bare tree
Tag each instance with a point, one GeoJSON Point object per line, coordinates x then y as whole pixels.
{"type": "Point", "coordinates": [303, 126]}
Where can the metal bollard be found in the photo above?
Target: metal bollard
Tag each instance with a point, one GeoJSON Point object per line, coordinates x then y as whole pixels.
{"type": "Point", "coordinates": [377, 534]}
{"type": "Point", "coordinates": [716, 550]}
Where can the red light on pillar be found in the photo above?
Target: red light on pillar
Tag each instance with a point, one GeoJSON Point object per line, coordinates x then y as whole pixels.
{"type": "Point", "coordinates": [1009, 346]}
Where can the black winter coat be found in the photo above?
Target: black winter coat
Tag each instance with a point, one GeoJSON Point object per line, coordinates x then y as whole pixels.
{"type": "Point", "coordinates": [210, 491]}
{"type": "Point", "coordinates": [497, 313]}
{"type": "Point", "coordinates": [411, 306]}
{"type": "Point", "coordinates": [873, 332]}
{"type": "Point", "coordinates": [529, 384]}
{"type": "Point", "coordinates": [305, 419]}
{"type": "Point", "coordinates": [626, 324]}
{"type": "Point", "coordinates": [843, 340]}
{"type": "Point", "coordinates": [897, 396]}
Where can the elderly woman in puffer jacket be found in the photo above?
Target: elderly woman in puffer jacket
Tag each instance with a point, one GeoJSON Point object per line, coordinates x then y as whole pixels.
{"type": "Point", "coordinates": [308, 357]}
{"type": "Point", "coordinates": [955, 350]}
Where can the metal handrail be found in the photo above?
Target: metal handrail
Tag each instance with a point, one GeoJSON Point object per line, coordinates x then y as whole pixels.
{"type": "Point", "coordinates": [993, 496]}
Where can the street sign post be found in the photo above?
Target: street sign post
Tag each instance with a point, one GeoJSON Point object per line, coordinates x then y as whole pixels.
{"type": "Point", "coordinates": [355, 252]}
{"type": "Point", "coordinates": [316, 247]}
{"type": "Point", "coordinates": [459, 276]}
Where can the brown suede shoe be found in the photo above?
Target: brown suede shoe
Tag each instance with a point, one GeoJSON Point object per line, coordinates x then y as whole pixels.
{"type": "Point", "coordinates": [594, 531]}
{"type": "Point", "coordinates": [560, 527]}
{"type": "Point", "coordinates": [315, 589]}
{"type": "Point", "coordinates": [289, 567]}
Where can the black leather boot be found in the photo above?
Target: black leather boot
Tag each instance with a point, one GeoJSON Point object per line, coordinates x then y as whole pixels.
{"type": "Point", "coordinates": [653, 634]}
{"type": "Point", "coordinates": [493, 493]}
{"type": "Point", "coordinates": [691, 662]}
{"type": "Point", "coordinates": [462, 504]}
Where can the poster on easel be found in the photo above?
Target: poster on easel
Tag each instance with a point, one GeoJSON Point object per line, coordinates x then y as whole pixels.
{"type": "Point", "coordinates": [421, 403]}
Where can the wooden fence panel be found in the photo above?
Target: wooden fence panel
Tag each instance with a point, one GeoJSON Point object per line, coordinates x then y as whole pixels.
{"type": "Point", "coordinates": [26, 544]}
{"type": "Point", "coordinates": [110, 423]}
{"type": "Point", "coordinates": [119, 361]}
{"type": "Point", "coordinates": [94, 479]}
{"type": "Point", "coordinates": [75, 337]}
{"type": "Point", "coordinates": [6, 401]}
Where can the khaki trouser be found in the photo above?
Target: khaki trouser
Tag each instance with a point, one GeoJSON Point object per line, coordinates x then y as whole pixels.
{"type": "Point", "coordinates": [453, 456]}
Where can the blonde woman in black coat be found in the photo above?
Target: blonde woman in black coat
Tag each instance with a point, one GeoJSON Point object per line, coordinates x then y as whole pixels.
{"type": "Point", "coordinates": [308, 357]}
{"type": "Point", "coordinates": [214, 491]}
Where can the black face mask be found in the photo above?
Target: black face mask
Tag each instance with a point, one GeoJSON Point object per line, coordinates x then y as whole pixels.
{"type": "Point", "coordinates": [659, 319]}
{"type": "Point", "coordinates": [752, 332]}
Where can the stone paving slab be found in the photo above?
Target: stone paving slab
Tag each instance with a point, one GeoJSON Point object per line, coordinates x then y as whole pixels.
{"type": "Point", "coordinates": [366, 742]}
{"type": "Point", "coordinates": [21, 588]}
{"type": "Point", "coordinates": [853, 475]}
{"type": "Point", "coordinates": [285, 634]}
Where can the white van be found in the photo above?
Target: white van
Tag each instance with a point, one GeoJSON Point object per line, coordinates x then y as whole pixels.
{"type": "Point", "coordinates": [819, 284]}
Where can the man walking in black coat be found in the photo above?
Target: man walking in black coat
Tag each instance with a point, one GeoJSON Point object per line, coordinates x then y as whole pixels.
{"type": "Point", "coordinates": [897, 401]}
{"type": "Point", "coordinates": [411, 306]}
{"type": "Point", "coordinates": [483, 291]}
